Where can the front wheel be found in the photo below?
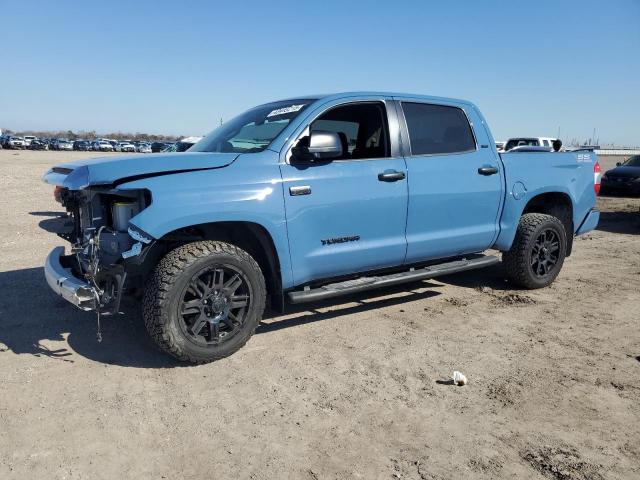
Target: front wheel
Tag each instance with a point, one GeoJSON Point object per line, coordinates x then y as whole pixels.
{"type": "Point", "coordinates": [204, 301]}
{"type": "Point", "coordinates": [538, 251]}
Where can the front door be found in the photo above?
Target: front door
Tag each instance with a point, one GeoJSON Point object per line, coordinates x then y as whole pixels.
{"type": "Point", "coordinates": [348, 214]}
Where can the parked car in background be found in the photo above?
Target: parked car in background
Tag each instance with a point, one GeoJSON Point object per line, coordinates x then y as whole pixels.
{"type": "Point", "coordinates": [38, 145]}
{"type": "Point", "coordinates": [28, 139]}
{"type": "Point", "coordinates": [143, 147]}
{"type": "Point", "coordinates": [528, 142]}
{"type": "Point", "coordinates": [81, 145]}
{"type": "Point", "coordinates": [622, 180]}
{"type": "Point", "coordinates": [12, 142]}
{"type": "Point", "coordinates": [103, 146]}
{"type": "Point", "coordinates": [125, 146]}
{"type": "Point", "coordinates": [182, 145]}
{"type": "Point", "coordinates": [500, 145]}
{"type": "Point", "coordinates": [159, 146]}
{"type": "Point", "coordinates": [64, 144]}
{"type": "Point", "coordinates": [270, 206]}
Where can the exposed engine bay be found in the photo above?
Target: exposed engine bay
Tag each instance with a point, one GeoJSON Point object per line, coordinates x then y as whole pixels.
{"type": "Point", "coordinates": [102, 243]}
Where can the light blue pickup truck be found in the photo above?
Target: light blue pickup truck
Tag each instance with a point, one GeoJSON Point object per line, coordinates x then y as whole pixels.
{"type": "Point", "coordinates": [308, 199]}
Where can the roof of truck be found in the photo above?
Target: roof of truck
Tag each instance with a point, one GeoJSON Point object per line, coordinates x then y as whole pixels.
{"type": "Point", "coordinates": [336, 96]}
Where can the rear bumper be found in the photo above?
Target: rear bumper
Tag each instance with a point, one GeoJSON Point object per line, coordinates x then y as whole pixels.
{"type": "Point", "coordinates": [590, 222]}
{"type": "Point", "coordinates": [64, 283]}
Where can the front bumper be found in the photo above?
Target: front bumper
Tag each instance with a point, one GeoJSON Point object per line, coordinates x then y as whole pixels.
{"type": "Point", "coordinates": [64, 283]}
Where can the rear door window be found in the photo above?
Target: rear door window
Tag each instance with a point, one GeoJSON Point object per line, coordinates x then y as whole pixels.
{"type": "Point", "coordinates": [437, 129]}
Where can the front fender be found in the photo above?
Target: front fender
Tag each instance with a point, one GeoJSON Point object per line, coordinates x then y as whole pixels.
{"type": "Point", "coordinates": [246, 191]}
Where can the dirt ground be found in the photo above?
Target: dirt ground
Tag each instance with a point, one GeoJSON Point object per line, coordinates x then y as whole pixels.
{"type": "Point", "coordinates": [357, 389]}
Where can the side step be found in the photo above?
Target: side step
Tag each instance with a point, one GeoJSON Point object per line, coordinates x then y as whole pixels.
{"type": "Point", "coordinates": [368, 283]}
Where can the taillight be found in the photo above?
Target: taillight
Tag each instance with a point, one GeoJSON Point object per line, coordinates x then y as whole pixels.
{"type": "Point", "coordinates": [57, 193]}
{"type": "Point", "coordinates": [597, 175]}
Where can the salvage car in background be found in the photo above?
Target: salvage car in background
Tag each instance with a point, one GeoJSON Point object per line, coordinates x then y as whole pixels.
{"type": "Point", "coordinates": [624, 179]}
{"type": "Point", "coordinates": [182, 145]}
{"type": "Point", "coordinates": [125, 146]}
{"type": "Point", "coordinates": [82, 145]}
{"type": "Point", "coordinates": [37, 144]}
{"type": "Point", "coordinates": [157, 147]}
{"type": "Point", "coordinates": [103, 146]}
{"type": "Point", "coordinates": [28, 139]}
{"type": "Point", "coordinates": [12, 142]}
{"type": "Point", "coordinates": [143, 147]}
{"type": "Point", "coordinates": [64, 144]}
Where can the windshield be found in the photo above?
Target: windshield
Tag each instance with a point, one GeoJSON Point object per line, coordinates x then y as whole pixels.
{"type": "Point", "coordinates": [633, 161]}
{"type": "Point", "coordinates": [254, 130]}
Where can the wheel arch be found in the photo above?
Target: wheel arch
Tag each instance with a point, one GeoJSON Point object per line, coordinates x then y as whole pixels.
{"type": "Point", "coordinates": [556, 204]}
{"type": "Point", "coordinates": [252, 237]}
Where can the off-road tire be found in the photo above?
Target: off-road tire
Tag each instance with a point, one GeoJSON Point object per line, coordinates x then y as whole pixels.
{"type": "Point", "coordinates": [517, 261]}
{"type": "Point", "coordinates": [162, 297]}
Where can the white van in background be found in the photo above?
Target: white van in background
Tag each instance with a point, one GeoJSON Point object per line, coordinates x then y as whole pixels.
{"type": "Point", "coordinates": [528, 142]}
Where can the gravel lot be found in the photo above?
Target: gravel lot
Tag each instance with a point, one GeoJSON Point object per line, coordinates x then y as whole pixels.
{"type": "Point", "coordinates": [332, 391]}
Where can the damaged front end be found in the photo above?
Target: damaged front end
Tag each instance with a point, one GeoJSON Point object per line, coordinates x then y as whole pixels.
{"type": "Point", "coordinates": [104, 248]}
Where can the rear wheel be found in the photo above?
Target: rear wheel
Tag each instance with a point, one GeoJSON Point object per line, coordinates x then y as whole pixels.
{"type": "Point", "coordinates": [204, 301]}
{"type": "Point", "coordinates": [538, 251]}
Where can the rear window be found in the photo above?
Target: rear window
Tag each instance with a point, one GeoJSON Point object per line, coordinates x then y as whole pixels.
{"type": "Point", "coordinates": [522, 142]}
{"type": "Point", "coordinates": [437, 129]}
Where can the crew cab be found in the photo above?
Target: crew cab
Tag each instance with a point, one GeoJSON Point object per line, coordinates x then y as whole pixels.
{"type": "Point", "coordinates": [308, 199]}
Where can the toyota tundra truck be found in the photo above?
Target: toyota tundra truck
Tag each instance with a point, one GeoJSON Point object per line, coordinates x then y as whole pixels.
{"type": "Point", "coordinates": [309, 199]}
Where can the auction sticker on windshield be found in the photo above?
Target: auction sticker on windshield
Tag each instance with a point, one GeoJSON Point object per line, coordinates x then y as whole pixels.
{"type": "Point", "coordinates": [282, 111]}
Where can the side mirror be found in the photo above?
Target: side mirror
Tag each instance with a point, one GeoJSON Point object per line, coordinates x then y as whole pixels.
{"type": "Point", "coordinates": [618, 164]}
{"type": "Point", "coordinates": [320, 145]}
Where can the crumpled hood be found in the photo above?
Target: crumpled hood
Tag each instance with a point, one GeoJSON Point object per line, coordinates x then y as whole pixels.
{"type": "Point", "coordinates": [110, 170]}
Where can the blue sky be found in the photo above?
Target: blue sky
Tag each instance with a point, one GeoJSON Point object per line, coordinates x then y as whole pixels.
{"type": "Point", "coordinates": [178, 67]}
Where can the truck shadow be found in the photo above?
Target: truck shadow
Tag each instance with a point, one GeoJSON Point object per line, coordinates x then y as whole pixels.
{"type": "Point", "coordinates": [492, 277]}
{"type": "Point", "coordinates": [619, 222]}
{"type": "Point", "coordinates": [55, 222]}
{"type": "Point", "coordinates": [296, 315]}
{"type": "Point", "coordinates": [34, 321]}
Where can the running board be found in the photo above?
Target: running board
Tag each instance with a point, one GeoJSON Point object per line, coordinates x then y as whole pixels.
{"type": "Point", "coordinates": [368, 283]}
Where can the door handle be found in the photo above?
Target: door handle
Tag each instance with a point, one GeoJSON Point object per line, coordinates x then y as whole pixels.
{"type": "Point", "coordinates": [488, 170]}
{"type": "Point", "coordinates": [391, 176]}
{"type": "Point", "coordinates": [300, 190]}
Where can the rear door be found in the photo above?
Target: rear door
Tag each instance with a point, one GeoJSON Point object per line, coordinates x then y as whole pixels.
{"type": "Point", "coordinates": [454, 178]}
{"type": "Point", "coordinates": [349, 214]}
